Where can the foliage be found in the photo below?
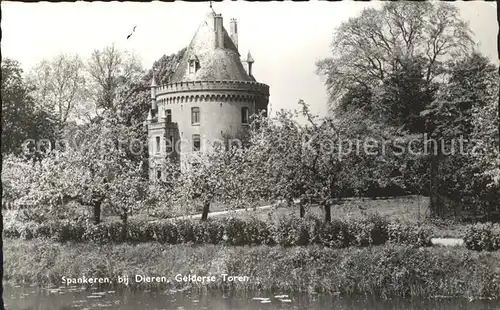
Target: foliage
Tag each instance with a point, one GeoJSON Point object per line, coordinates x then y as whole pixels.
{"type": "Point", "coordinates": [287, 231]}
{"type": "Point", "coordinates": [483, 237]}
{"type": "Point", "coordinates": [464, 116]}
{"type": "Point", "coordinates": [403, 233]}
{"type": "Point", "coordinates": [371, 46]}
{"type": "Point", "coordinates": [413, 68]}
{"type": "Point", "coordinates": [291, 231]}
{"type": "Point", "coordinates": [59, 86]}
{"type": "Point", "coordinates": [22, 118]}
{"type": "Point", "coordinates": [93, 171]}
{"type": "Point", "coordinates": [275, 157]}
{"type": "Point", "coordinates": [213, 175]}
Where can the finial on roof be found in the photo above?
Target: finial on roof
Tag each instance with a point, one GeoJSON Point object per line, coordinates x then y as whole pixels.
{"type": "Point", "coordinates": [249, 57]}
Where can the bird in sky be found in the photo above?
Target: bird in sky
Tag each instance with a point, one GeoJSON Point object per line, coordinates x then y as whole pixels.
{"type": "Point", "coordinates": [133, 30]}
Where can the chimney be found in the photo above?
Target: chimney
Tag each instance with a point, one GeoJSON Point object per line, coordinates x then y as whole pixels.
{"type": "Point", "coordinates": [219, 31]}
{"type": "Point", "coordinates": [233, 30]}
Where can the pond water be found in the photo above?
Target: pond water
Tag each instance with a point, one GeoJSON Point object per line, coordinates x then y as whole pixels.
{"type": "Point", "coordinates": [31, 298]}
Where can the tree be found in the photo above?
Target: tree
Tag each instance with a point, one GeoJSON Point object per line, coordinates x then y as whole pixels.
{"type": "Point", "coordinates": [275, 158]}
{"type": "Point", "coordinates": [108, 69]}
{"type": "Point", "coordinates": [59, 86]}
{"type": "Point", "coordinates": [21, 119]}
{"type": "Point", "coordinates": [465, 109]}
{"type": "Point", "coordinates": [389, 62]}
{"type": "Point", "coordinates": [95, 168]}
{"type": "Point", "coordinates": [214, 175]}
{"type": "Point", "coordinates": [369, 47]}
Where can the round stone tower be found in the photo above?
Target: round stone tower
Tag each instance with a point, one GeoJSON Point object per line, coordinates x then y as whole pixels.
{"type": "Point", "coordinates": [211, 95]}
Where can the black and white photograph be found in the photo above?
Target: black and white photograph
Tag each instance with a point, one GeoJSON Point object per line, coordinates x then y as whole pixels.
{"type": "Point", "coordinates": [247, 155]}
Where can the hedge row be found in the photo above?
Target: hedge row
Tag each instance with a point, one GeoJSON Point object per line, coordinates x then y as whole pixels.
{"type": "Point", "coordinates": [483, 237]}
{"type": "Point", "coordinates": [289, 231]}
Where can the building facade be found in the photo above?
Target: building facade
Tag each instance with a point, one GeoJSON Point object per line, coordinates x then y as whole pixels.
{"type": "Point", "coordinates": [211, 95]}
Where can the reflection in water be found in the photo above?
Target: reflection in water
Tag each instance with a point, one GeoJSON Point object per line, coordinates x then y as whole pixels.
{"type": "Point", "coordinates": [30, 298]}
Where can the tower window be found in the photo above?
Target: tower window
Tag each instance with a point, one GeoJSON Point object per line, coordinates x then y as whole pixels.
{"type": "Point", "coordinates": [158, 174]}
{"type": "Point", "coordinates": [195, 116]}
{"type": "Point", "coordinates": [170, 145]}
{"type": "Point", "coordinates": [168, 115]}
{"type": "Point", "coordinates": [158, 145]}
{"type": "Point", "coordinates": [193, 64]}
{"type": "Point", "coordinates": [196, 143]}
{"type": "Point", "coordinates": [244, 115]}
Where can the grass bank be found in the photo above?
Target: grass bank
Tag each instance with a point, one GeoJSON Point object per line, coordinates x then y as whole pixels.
{"type": "Point", "coordinates": [387, 271]}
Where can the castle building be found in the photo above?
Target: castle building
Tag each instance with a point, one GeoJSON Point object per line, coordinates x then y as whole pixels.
{"type": "Point", "coordinates": [211, 95]}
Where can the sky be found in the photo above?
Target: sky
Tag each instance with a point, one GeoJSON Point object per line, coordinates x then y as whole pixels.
{"type": "Point", "coordinates": [285, 38]}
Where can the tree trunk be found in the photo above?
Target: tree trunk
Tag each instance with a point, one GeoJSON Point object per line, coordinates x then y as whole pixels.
{"type": "Point", "coordinates": [97, 212]}
{"type": "Point", "coordinates": [206, 209]}
{"type": "Point", "coordinates": [328, 213]}
{"type": "Point", "coordinates": [125, 223]}
{"type": "Point", "coordinates": [302, 208]}
{"type": "Point", "coordinates": [435, 205]}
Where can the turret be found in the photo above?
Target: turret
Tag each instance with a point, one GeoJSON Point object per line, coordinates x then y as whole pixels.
{"type": "Point", "coordinates": [249, 62]}
{"type": "Point", "coordinates": [153, 93]}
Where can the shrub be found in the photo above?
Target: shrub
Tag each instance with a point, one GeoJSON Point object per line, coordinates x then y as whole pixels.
{"type": "Point", "coordinates": [165, 232]}
{"type": "Point", "coordinates": [185, 231]}
{"type": "Point", "coordinates": [140, 231]}
{"type": "Point", "coordinates": [43, 230]}
{"type": "Point", "coordinates": [370, 231]}
{"type": "Point", "coordinates": [67, 230]}
{"type": "Point", "coordinates": [288, 231]}
{"type": "Point", "coordinates": [235, 231]}
{"type": "Point", "coordinates": [291, 231]}
{"type": "Point", "coordinates": [258, 232]}
{"type": "Point", "coordinates": [335, 234]}
{"type": "Point", "coordinates": [97, 233]}
{"type": "Point", "coordinates": [409, 234]}
{"type": "Point", "coordinates": [208, 232]}
{"type": "Point", "coordinates": [483, 237]}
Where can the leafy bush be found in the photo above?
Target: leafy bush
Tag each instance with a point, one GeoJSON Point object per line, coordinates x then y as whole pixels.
{"type": "Point", "coordinates": [483, 237]}
{"type": "Point", "coordinates": [405, 233]}
{"type": "Point", "coordinates": [235, 231]}
{"type": "Point", "coordinates": [370, 231]}
{"type": "Point", "coordinates": [67, 230]}
{"type": "Point", "coordinates": [140, 231]}
{"type": "Point", "coordinates": [97, 233]}
{"type": "Point", "coordinates": [185, 231]}
{"type": "Point", "coordinates": [288, 231]}
{"type": "Point", "coordinates": [335, 234]}
{"type": "Point", "coordinates": [291, 231]}
{"type": "Point", "coordinates": [258, 232]}
{"type": "Point", "coordinates": [165, 232]}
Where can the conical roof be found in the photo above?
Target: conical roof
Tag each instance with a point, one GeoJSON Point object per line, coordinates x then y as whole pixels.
{"type": "Point", "coordinates": [250, 58]}
{"type": "Point", "coordinates": [214, 63]}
